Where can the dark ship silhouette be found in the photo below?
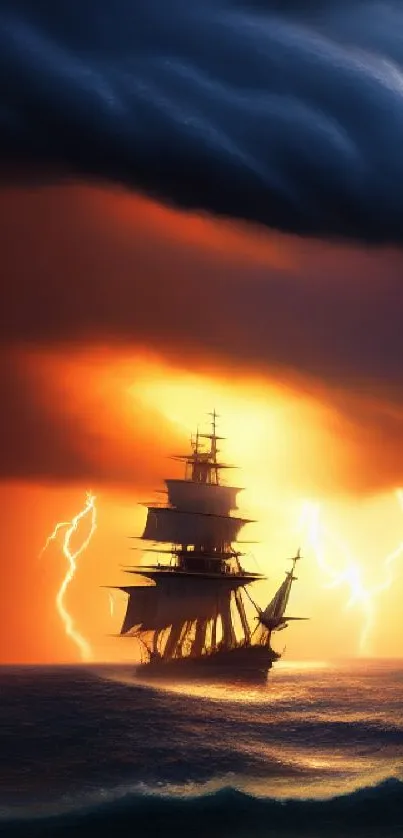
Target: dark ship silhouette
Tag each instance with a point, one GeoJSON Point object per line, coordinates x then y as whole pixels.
{"type": "Point", "coordinates": [185, 621]}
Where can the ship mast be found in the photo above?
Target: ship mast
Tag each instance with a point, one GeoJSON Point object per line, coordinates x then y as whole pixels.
{"type": "Point", "coordinates": [202, 467]}
{"type": "Point", "coordinates": [190, 608]}
{"type": "Point", "coordinates": [197, 520]}
{"type": "Point", "coordinates": [196, 603]}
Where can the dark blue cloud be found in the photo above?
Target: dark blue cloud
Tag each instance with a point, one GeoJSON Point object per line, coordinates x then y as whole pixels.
{"type": "Point", "coordinates": [288, 118]}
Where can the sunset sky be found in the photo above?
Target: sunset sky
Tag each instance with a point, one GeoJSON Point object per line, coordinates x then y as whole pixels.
{"type": "Point", "coordinates": [126, 318]}
{"type": "Point", "coordinates": [125, 323]}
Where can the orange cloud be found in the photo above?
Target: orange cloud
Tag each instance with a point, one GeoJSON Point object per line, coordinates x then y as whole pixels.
{"type": "Point", "coordinates": [70, 420]}
{"type": "Point", "coordinates": [105, 269]}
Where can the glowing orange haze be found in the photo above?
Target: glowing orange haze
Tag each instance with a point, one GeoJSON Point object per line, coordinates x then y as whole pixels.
{"type": "Point", "coordinates": [105, 419]}
{"type": "Point", "coordinates": [280, 439]}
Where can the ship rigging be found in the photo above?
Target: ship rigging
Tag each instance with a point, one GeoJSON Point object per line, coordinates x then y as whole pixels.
{"type": "Point", "coordinates": [196, 613]}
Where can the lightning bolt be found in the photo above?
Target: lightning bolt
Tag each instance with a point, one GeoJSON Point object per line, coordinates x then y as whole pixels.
{"type": "Point", "coordinates": [352, 574]}
{"type": "Point", "coordinates": [53, 535]}
{"type": "Point", "coordinates": [71, 527]}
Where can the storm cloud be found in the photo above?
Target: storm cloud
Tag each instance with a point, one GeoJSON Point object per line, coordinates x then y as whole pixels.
{"type": "Point", "coordinates": [289, 115]}
{"type": "Point", "coordinates": [86, 268]}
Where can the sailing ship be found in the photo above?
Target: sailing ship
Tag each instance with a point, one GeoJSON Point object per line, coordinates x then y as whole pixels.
{"type": "Point", "coordinates": [195, 616]}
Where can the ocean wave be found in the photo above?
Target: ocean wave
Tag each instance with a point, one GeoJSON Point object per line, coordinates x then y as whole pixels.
{"type": "Point", "coordinates": [370, 811]}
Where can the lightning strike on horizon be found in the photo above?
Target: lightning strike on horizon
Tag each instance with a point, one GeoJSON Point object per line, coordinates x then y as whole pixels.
{"type": "Point", "coordinates": [72, 526]}
{"type": "Point", "coordinates": [360, 594]}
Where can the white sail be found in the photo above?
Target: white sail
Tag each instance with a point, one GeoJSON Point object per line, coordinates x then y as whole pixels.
{"type": "Point", "coordinates": [202, 530]}
{"type": "Point", "coordinates": [182, 608]}
{"type": "Point", "coordinates": [141, 606]}
{"type": "Point", "coordinates": [273, 614]}
{"type": "Point", "coordinates": [201, 497]}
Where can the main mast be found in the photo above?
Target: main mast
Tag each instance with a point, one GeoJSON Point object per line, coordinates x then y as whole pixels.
{"type": "Point", "coordinates": [196, 520]}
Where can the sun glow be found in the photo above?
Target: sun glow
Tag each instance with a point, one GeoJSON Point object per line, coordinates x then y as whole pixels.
{"type": "Point", "coordinates": [285, 450]}
{"type": "Point", "coordinates": [280, 440]}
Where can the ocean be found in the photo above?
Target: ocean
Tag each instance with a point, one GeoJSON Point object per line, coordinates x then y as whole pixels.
{"type": "Point", "coordinates": [91, 751]}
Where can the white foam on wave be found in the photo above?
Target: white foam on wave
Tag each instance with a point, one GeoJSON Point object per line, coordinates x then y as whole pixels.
{"type": "Point", "coordinates": [253, 788]}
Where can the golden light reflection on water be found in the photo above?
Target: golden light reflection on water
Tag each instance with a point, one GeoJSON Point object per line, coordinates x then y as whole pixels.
{"type": "Point", "coordinates": [303, 665]}
{"type": "Point", "coordinates": [287, 729]}
{"type": "Point", "coordinates": [281, 686]}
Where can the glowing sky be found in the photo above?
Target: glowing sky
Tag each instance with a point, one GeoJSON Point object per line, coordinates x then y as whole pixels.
{"type": "Point", "coordinates": [88, 405]}
{"type": "Point", "coordinates": [125, 319]}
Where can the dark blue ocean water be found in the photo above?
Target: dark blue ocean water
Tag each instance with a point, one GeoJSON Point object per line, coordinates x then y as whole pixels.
{"type": "Point", "coordinates": [91, 751]}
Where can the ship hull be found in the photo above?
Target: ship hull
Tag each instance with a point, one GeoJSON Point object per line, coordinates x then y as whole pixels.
{"type": "Point", "coordinates": [247, 664]}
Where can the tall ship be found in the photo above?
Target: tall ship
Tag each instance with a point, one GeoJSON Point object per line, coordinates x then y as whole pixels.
{"type": "Point", "coordinates": [193, 613]}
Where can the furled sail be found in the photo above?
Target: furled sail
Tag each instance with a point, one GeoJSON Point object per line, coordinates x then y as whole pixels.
{"type": "Point", "coordinates": [201, 497]}
{"type": "Point", "coordinates": [177, 527]}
